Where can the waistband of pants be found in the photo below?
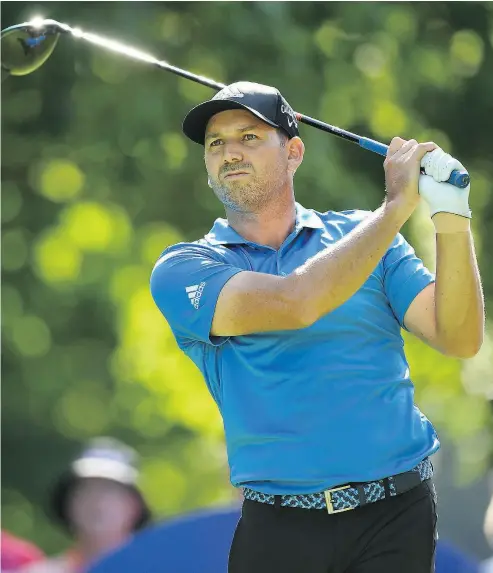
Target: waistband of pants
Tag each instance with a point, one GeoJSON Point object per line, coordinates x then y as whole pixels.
{"type": "Point", "coordinates": [350, 496]}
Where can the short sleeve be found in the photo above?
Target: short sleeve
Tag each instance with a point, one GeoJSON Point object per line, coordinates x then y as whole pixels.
{"type": "Point", "coordinates": [404, 276]}
{"type": "Point", "coordinates": [185, 285]}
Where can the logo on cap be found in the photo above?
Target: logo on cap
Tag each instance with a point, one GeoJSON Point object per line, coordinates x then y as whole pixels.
{"type": "Point", "coordinates": [228, 92]}
{"type": "Point", "coordinates": [291, 116]}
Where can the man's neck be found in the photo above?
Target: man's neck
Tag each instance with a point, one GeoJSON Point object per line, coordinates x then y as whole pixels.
{"type": "Point", "coordinates": [270, 226]}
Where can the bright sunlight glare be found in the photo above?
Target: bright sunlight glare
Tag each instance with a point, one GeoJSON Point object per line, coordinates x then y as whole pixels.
{"type": "Point", "coordinates": [112, 45]}
{"type": "Point", "coordinates": [37, 21]}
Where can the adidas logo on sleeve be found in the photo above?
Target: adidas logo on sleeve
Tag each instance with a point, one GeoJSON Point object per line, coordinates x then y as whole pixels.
{"type": "Point", "coordinates": [194, 293]}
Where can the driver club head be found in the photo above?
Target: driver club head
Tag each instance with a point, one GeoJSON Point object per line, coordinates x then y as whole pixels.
{"type": "Point", "coordinates": [26, 47]}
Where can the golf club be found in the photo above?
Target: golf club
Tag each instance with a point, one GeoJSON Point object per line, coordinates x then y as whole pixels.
{"type": "Point", "coordinates": [26, 46]}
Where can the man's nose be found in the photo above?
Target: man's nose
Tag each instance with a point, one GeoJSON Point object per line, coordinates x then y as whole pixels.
{"type": "Point", "coordinates": [232, 152]}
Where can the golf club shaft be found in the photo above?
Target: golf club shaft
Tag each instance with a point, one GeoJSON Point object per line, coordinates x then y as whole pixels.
{"type": "Point", "coordinates": [135, 54]}
{"type": "Point", "coordinates": [457, 178]}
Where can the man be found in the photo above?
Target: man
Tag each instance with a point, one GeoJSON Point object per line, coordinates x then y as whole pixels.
{"type": "Point", "coordinates": [294, 318]}
{"type": "Point", "coordinates": [98, 502]}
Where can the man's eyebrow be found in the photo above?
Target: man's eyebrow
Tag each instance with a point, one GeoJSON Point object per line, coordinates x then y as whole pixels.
{"type": "Point", "coordinates": [248, 127]}
{"type": "Point", "coordinates": [241, 130]}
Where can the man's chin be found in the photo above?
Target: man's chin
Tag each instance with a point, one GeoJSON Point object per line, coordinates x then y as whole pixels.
{"type": "Point", "coordinates": [233, 182]}
{"type": "Point", "coordinates": [238, 196]}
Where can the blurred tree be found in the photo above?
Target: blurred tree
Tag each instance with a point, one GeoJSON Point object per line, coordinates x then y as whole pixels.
{"type": "Point", "coordinates": [97, 180]}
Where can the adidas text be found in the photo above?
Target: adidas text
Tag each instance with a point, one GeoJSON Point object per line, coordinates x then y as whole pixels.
{"type": "Point", "coordinates": [194, 293]}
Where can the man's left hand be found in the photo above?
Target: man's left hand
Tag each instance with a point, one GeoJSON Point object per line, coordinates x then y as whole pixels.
{"type": "Point", "coordinates": [440, 196]}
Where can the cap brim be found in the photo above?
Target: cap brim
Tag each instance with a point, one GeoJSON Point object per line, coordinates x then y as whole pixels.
{"type": "Point", "coordinates": [195, 122]}
{"type": "Point", "coordinates": [105, 469]}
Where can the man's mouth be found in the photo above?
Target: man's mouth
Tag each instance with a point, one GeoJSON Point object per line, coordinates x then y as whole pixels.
{"type": "Point", "coordinates": [235, 174]}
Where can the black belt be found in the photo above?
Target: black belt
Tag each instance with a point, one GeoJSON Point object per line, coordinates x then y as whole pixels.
{"type": "Point", "coordinates": [350, 496]}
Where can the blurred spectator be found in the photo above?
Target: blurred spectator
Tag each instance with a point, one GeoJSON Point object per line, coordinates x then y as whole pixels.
{"type": "Point", "coordinates": [98, 502]}
{"type": "Point", "coordinates": [17, 552]}
{"type": "Point", "coordinates": [487, 566]}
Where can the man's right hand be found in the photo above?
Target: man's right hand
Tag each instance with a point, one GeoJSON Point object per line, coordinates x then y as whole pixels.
{"type": "Point", "coordinates": [402, 169]}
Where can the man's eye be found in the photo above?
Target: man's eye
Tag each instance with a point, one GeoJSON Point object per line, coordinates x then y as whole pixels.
{"type": "Point", "coordinates": [250, 136]}
{"type": "Point", "coordinates": [216, 142]}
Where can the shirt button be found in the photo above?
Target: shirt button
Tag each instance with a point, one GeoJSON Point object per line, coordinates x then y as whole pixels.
{"type": "Point", "coordinates": [282, 273]}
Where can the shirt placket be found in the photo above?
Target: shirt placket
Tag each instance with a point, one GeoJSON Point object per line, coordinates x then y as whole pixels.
{"type": "Point", "coordinates": [283, 250]}
{"type": "Point", "coordinates": [279, 264]}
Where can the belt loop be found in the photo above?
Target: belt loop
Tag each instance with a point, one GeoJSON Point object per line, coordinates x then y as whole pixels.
{"type": "Point", "coordinates": [386, 487]}
{"type": "Point", "coordinates": [277, 502]}
{"type": "Point", "coordinates": [361, 494]}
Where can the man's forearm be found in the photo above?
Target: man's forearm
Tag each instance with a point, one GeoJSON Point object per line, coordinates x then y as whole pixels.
{"type": "Point", "coordinates": [331, 277]}
{"type": "Point", "coordinates": [459, 304]}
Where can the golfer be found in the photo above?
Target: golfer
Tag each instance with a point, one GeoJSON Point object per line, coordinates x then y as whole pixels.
{"type": "Point", "coordinates": [294, 318]}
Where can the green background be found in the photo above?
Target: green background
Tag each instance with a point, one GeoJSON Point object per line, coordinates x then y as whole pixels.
{"type": "Point", "coordinates": [97, 180]}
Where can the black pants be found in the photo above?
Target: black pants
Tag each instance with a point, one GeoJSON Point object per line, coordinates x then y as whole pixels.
{"type": "Point", "coordinates": [395, 535]}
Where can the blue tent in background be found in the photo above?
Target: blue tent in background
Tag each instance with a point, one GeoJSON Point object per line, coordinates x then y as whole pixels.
{"type": "Point", "coordinates": [450, 559]}
{"type": "Point", "coordinates": [200, 542]}
{"type": "Point", "coordinates": [196, 543]}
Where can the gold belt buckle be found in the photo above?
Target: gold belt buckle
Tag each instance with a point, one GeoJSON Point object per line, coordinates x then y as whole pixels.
{"type": "Point", "coordinates": [328, 499]}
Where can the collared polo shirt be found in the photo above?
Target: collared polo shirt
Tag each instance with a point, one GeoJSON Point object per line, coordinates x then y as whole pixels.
{"type": "Point", "coordinates": [303, 410]}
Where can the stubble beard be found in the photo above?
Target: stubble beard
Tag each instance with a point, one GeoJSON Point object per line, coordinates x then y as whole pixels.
{"type": "Point", "coordinates": [248, 196]}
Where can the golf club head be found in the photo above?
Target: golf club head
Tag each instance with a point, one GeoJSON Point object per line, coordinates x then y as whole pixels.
{"type": "Point", "coordinates": [27, 46]}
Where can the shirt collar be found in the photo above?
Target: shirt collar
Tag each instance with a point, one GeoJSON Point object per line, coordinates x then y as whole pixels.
{"type": "Point", "coordinates": [223, 234]}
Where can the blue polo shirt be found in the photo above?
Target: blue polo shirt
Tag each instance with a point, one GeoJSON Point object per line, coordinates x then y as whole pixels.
{"type": "Point", "coordinates": [307, 409]}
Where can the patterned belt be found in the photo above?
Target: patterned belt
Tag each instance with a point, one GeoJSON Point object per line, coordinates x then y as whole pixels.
{"type": "Point", "coordinates": [351, 496]}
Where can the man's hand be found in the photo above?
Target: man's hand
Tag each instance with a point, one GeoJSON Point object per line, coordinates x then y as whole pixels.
{"type": "Point", "coordinates": [402, 169]}
{"type": "Point", "coordinates": [440, 196]}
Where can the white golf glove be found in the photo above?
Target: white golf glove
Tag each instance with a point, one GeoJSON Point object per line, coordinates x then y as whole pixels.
{"type": "Point", "coordinates": [440, 196]}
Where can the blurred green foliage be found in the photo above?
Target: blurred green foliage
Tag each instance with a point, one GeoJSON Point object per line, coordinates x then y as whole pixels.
{"type": "Point", "coordinates": [97, 180]}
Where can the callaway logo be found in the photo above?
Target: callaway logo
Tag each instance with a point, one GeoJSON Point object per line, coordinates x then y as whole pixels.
{"type": "Point", "coordinates": [291, 115]}
{"type": "Point", "coordinates": [194, 293]}
{"type": "Point", "coordinates": [229, 91]}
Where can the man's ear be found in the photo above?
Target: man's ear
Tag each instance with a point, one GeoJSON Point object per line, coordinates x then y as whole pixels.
{"type": "Point", "coordinates": [296, 151]}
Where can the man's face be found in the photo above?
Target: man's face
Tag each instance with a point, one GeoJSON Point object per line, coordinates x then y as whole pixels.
{"type": "Point", "coordinates": [102, 507]}
{"type": "Point", "coordinates": [246, 160]}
